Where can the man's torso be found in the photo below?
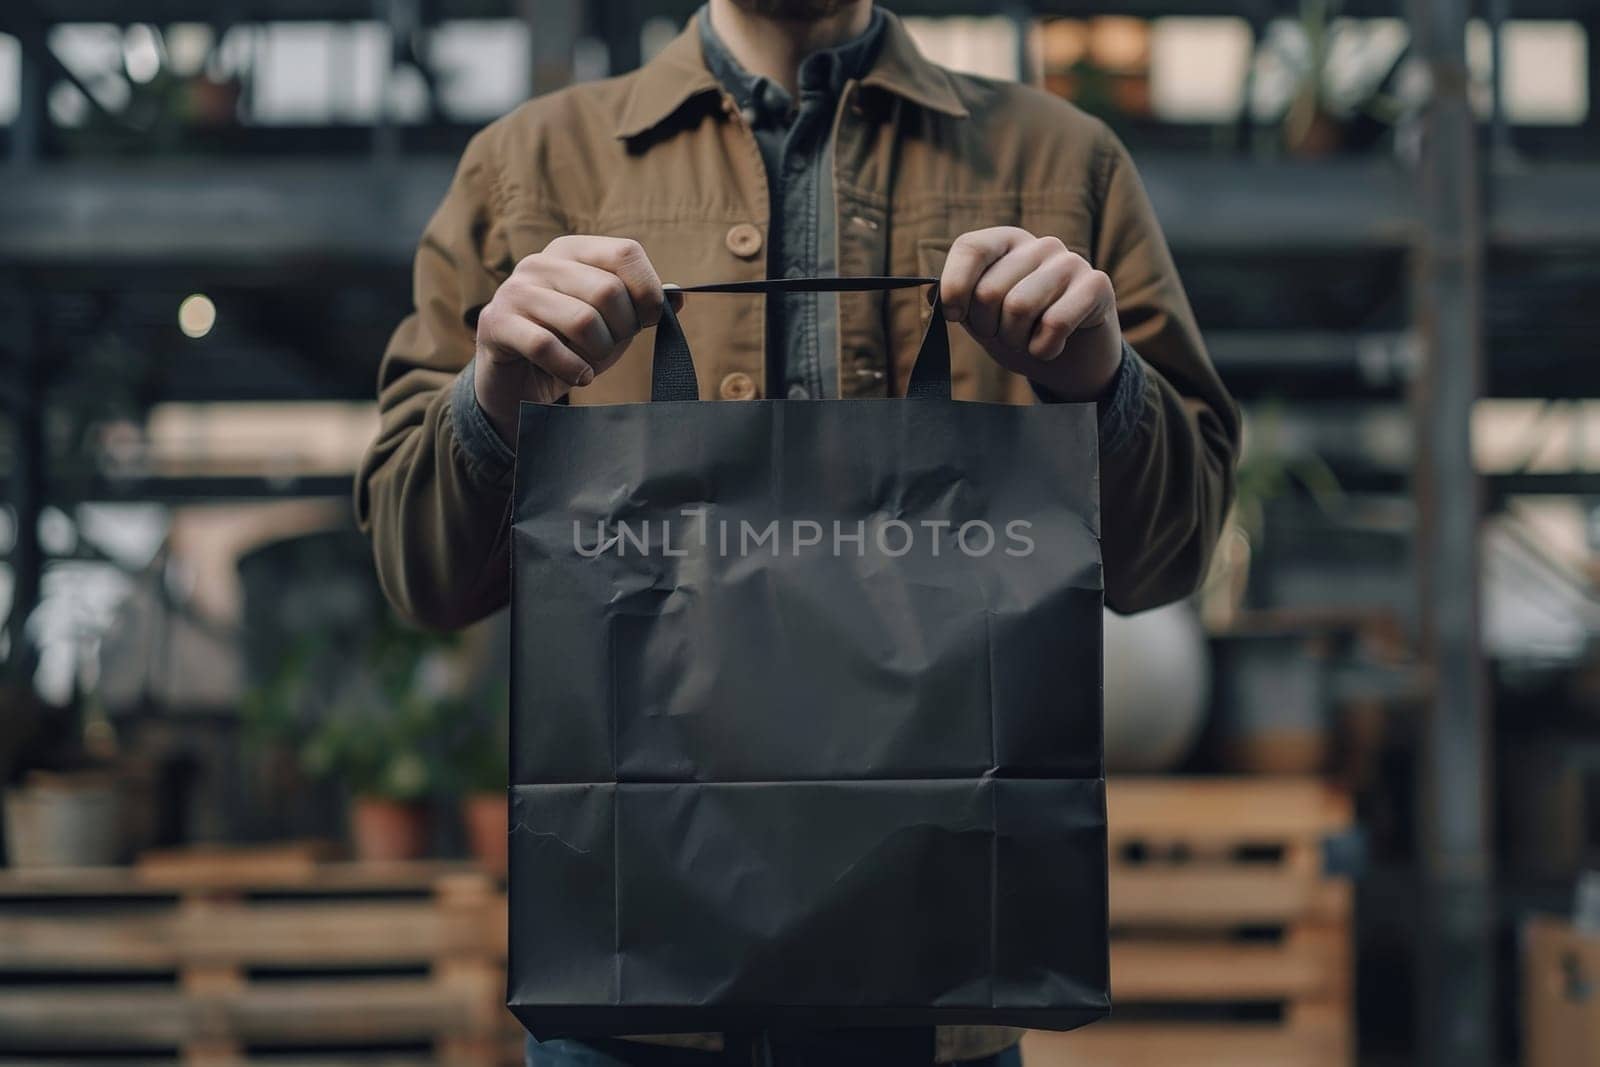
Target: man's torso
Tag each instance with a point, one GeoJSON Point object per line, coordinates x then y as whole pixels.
{"type": "Point", "coordinates": [914, 166]}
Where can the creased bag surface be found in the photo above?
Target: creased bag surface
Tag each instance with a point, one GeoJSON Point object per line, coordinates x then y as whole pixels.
{"type": "Point", "coordinates": [806, 710]}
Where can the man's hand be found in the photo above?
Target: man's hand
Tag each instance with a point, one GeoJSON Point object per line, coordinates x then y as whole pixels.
{"type": "Point", "coordinates": [1036, 308]}
{"type": "Point", "coordinates": [564, 316]}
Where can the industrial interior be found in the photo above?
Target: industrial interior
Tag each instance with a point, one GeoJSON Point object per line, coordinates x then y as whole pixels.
{"type": "Point", "coordinates": [1353, 784]}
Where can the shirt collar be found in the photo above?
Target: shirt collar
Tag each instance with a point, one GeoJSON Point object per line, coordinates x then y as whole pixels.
{"type": "Point", "coordinates": [825, 71]}
{"type": "Point", "coordinates": [680, 73]}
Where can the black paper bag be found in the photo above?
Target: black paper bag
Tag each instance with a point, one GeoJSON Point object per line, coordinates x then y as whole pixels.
{"type": "Point", "coordinates": [806, 708]}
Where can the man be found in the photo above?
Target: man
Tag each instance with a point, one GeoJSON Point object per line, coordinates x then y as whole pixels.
{"type": "Point", "coordinates": [791, 138]}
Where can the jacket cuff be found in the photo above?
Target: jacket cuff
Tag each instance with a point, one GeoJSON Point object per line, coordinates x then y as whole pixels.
{"type": "Point", "coordinates": [486, 454]}
{"type": "Point", "coordinates": [1119, 409]}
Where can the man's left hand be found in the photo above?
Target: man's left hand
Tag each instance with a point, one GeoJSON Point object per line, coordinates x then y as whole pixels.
{"type": "Point", "coordinates": [1037, 308]}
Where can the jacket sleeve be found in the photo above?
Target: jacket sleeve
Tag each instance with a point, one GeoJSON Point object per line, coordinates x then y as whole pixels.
{"type": "Point", "coordinates": [436, 512]}
{"type": "Point", "coordinates": [1165, 491]}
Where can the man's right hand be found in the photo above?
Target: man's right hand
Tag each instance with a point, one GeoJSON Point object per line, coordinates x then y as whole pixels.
{"type": "Point", "coordinates": [564, 316]}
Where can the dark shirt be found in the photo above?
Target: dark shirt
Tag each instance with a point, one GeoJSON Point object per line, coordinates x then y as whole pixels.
{"type": "Point", "coordinates": [797, 147]}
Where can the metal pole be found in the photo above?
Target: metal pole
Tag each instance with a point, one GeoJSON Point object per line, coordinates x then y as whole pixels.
{"type": "Point", "coordinates": [27, 493]}
{"type": "Point", "coordinates": [385, 133]}
{"type": "Point", "coordinates": [617, 23]}
{"type": "Point", "coordinates": [1456, 991]}
{"type": "Point", "coordinates": [1591, 30]}
{"type": "Point", "coordinates": [28, 126]}
{"type": "Point", "coordinates": [554, 27]}
{"type": "Point", "coordinates": [1020, 12]}
{"type": "Point", "coordinates": [1499, 13]}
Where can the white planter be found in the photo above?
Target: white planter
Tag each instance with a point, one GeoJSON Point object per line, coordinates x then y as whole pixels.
{"type": "Point", "coordinates": [1157, 685]}
{"type": "Point", "coordinates": [63, 822]}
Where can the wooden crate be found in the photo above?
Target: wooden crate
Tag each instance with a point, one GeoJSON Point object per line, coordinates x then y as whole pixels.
{"type": "Point", "coordinates": [211, 963]}
{"type": "Point", "coordinates": [1560, 994]}
{"type": "Point", "coordinates": [1230, 944]}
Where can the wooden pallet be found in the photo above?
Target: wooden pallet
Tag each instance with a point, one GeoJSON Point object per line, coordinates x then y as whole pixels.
{"type": "Point", "coordinates": [1230, 945]}
{"type": "Point", "coordinates": [212, 963]}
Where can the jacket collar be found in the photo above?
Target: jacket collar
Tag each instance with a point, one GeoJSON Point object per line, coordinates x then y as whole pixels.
{"type": "Point", "coordinates": [675, 76]}
{"type": "Point", "coordinates": [904, 71]}
{"type": "Point", "coordinates": [679, 74]}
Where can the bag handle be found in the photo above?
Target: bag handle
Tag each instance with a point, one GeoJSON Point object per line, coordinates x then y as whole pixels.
{"type": "Point", "coordinates": [672, 375]}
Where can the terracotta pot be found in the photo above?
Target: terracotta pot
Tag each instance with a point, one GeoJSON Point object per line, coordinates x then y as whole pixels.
{"type": "Point", "coordinates": [384, 831]}
{"type": "Point", "coordinates": [1309, 131]}
{"type": "Point", "coordinates": [487, 820]}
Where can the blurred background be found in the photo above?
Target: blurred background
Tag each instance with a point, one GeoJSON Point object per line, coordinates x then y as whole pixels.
{"type": "Point", "coordinates": [1355, 784]}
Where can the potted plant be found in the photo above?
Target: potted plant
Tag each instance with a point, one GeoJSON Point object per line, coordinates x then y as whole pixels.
{"type": "Point", "coordinates": [1270, 675]}
{"type": "Point", "coordinates": [1268, 469]}
{"type": "Point", "coordinates": [379, 725]}
{"type": "Point", "coordinates": [380, 751]}
{"type": "Point", "coordinates": [1341, 100]}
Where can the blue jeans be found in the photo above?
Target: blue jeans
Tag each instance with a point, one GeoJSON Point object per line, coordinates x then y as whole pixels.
{"type": "Point", "coordinates": [826, 1048]}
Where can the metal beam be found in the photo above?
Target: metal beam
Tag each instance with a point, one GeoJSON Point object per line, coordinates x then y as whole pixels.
{"type": "Point", "coordinates": [1545, 206]}
{"type": "Point", "coordinates": [219, 213]}
{"type": "Point", "coordinates": [1380, 359]}
{"type": "Point", "coordinates": [1248, 9]}
{"type": "Point", "coordinates": [187, 490]}
{"type": "Point", "coordinates": [238, 11]}
{"type": "Point", "coordinates": [1455, 1020]}
{"type": "Point", "coordinates": [258, 212]}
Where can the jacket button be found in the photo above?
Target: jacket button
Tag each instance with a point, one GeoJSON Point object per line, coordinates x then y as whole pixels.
{"type": "Point", "coordinates": [744, 240]}
{"type": "Point", "coordinates": [737, 386]}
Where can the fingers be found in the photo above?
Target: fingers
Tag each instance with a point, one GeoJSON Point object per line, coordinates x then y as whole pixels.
{"type": "Point", "coordinates": [1025, 302]}
{"type": "Point", "coordinates": [1087, 302]}
{"type": "Point", "coordinates": [970, 256]}
{"type": "Point", "coordinates": [570, 311]}
{"type": "Point", "coordinates": [623, 257]}
{"type": "Point", "coordinates": [600, 289]}
{"type": "Point", "coordinates": [1042, 310]}
{"type": "Point", "coordinates": [994, 288]}
{"type": "Point", "coordinates": [507, 336]}
{"type": "Point", "coordinates": [1022, 294]}
{"type": "Point", "coordinates": [1037, 308]}
{"type": "Point", "coordinates": [579, 325]}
